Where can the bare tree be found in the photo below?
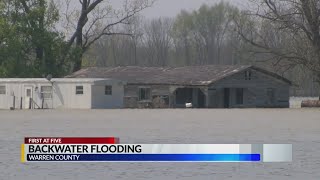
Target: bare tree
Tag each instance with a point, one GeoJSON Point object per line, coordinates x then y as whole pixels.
{"type": "Point", "coordinates": [158, 40]}
{"type": "Point", "coordinates": [207, 31]}
{"type": "Point", "coordinates": [136, 29]}
{"type": "Point", "coordinates": [119, 50]}
{"type": "Point", "coordinates": [181, 37]}
{"type": "Point", "coordinates": [95, 19]}
{"type": "Point", "coordinates": [286, 30]}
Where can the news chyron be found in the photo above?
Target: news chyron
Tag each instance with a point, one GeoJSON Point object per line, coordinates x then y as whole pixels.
{"type": "Point", "coordinates": [109, 149]}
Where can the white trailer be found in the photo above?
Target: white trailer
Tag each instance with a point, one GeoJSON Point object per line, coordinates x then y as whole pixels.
{"type": "Point", "coordinates": [68, 93]}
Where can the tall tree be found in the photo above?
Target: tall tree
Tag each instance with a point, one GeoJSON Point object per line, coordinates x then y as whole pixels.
{"type": "Point", "coordinates": [288, 31]}
{"type": "Point", "coordinates": [207, 30]}
{"type": "Point", "coordinates": [158, 41]}
{"type": "Point", "coordinates": [119, 50]}
{"type": "Point", "coordinates": [32, 44]}
{"type": "Point", "coordinates": [96, 19]}
{"type": "Point", "coordinates": [182, 37]}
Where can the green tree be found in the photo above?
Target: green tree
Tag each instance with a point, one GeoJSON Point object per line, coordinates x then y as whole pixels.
{"type": "Point", "coordinates": [10, 43]}
{"type": "Point", "coordinates": [207, 32]}
{"type": "Point", "coordinates": [32, 46]}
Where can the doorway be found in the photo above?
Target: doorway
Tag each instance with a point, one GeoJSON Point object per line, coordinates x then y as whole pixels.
{"type": "Point", "coordinates": [28, 95]}
{"type": "Point", "coordinates": [226, 97]}
{"type": "Point", "coordinates": [190, 95]}
{"type": "Point", "coordinates": [183, 96]}
{"type": "Point", "coordinates": [201, 99]}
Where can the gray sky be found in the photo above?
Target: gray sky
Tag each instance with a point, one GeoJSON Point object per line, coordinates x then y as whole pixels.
{"type": "Point", "coordinates": [162, 8]}
{"type": "Point", "coordinates": [170, 8]}
{"type": "Point", "coordinates": [165, 8]}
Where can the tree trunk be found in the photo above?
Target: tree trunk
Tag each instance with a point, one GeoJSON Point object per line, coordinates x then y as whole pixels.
{"type": "Point", "coordinates": [78, 60]}
{"type": "Point", "coordinates": [39, 57]}
{"type": "Point", "coordinates": [77, 65]}
{"type": "Point", "coordinates": [318, 80]}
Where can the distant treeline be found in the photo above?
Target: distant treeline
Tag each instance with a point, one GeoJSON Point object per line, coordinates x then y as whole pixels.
{"type": "Point", "coordinates": [40, 37]}
{"type": "Point", "coordinates": [209, 35]}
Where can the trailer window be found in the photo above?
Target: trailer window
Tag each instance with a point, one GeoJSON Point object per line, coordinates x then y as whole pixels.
{"type": "Point", "coordinates": [108, 90]}
{"type": "Point", "coordinates": [46, 92]}
{"type": "Point", "coordinates": [79, 90]}
{"type": "Point", "coordinates": [2, 89]}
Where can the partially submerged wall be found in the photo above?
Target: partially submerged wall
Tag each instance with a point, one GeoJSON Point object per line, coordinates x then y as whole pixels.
{"type": "Point", "coordinates": [255, 91]}
{"type": "Point", "coordinates": [159, 96]}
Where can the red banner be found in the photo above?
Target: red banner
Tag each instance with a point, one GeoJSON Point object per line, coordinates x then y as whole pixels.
{"type": "Point", "coordinates": [71, 140]}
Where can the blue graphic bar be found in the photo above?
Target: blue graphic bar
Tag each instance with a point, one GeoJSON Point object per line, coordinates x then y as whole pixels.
{"type": "Point", "coordinates": [146, 157]}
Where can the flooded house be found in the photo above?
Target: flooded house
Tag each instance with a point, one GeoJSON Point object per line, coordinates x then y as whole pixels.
{"type": "Point", "coordinates": [211, 86]}
{"type": "Point", "coordinates": [64, 93]}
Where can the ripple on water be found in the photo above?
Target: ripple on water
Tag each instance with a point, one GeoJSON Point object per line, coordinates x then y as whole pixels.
{"type": "Point", "coordinates": [166, 126]}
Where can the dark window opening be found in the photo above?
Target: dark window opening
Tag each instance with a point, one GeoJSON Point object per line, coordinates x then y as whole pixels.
{"type": "Point", "coordinates": [239, 96]}
{"type": "Point", "coordinates": [79, 90]}
{"type": "Point", "coordinates": [2, 89]}
{"type": "Point", "coordinates": [248, 75]}
{"type": "Point", "coordinates": [183, 96]}
{"type": "Point", "coordinates": [46, 92]}
{"type": "Point", "coordinates": [271, 95]}
{"type": "Point", "coordinates": [144, 94]}
{"type": "Point", "coordinates": [108, 90]}
{"type": "Point", "coordinates": [226, 93]}
{"type": "Point", "coordinates": [28, 93]}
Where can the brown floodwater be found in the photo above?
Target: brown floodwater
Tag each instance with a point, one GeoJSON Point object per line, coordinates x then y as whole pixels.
{"type": "Point", "coordinates": [300, 127]}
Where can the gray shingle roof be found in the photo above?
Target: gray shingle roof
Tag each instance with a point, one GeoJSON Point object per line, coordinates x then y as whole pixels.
{"type": "Point", "coordinates": [189, 75]}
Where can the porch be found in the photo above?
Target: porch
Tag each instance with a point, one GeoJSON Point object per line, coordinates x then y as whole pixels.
{"type": "Point", "coordinates": [203, 97]}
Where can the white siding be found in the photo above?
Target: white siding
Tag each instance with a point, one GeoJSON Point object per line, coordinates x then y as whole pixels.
{"type": "Point", "coordinates": [64, 94]}
{"type": "Point", "coordinates": [102, 101]}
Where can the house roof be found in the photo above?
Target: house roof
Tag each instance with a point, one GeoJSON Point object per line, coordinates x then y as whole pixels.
{"type": "Point", "coordinates": [58, 80]}
{"type": "Point", "coordinates": [188, 75]}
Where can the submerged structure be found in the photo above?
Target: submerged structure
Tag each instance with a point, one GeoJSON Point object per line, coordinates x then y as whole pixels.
{"type": "Point", "coordinates": [65, 93]}
{"type": "Point", "coordinates": [210, 86]}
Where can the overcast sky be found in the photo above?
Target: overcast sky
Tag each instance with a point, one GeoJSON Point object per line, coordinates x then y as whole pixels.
{"type": "Point", "coordinates": [170, 8]}
{"type": "Point", "coordinates": [165, 8]}
{"type": "Point", "coordinates": [161, 8]}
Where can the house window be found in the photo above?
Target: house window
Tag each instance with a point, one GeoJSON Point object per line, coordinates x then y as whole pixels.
{"type": "Point", "coordinates": [28, 92]}
{"type": "Point", "coordinates": [46, 92]}
{"type": "Point", "coordinates": [108, 90]}
{"type": "Point", "coordinates": [248, 75]}
{"type": "Point", "coordinates": [144, 94]}
{"type": "Point", "coordinates": [271, 95]}
{"type": "Point", "coordinates": [2, 89]}
{"type": "Point", "coordinates": [79, 90]}
{"type": "Point", "coordinates": [239, 96]}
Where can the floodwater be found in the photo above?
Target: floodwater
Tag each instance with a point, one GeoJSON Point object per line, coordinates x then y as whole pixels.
{"type": "Point", "coordinates": [301, 127]}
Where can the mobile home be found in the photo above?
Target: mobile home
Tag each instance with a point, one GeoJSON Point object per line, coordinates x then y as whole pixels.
{"type": "Point", "coordinates": [34, 93]}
